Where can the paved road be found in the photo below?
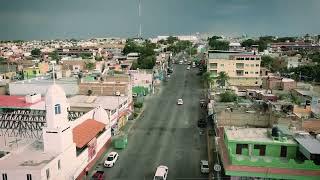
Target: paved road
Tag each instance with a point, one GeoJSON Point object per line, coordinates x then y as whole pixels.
{"type": "Point", "coordinates": [166, 134]}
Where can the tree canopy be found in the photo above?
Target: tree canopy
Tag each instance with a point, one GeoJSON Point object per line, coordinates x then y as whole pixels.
{"type": "Point", "coordinates": [222, 78]}
{"type": "Point", "coordinates": [36, 52]}
{"type": "Point", "coordinates": [228, 96]}
{"type": "Point", "coordinates": [267, 61]}
{"type": "Point", "coordinates": [216, 43]}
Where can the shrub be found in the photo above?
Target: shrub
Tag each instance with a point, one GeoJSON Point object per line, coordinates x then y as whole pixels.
{"type": "Point", "coordinates": [138, 105]}
{"type": "Point", "coordinates": [228, 96]}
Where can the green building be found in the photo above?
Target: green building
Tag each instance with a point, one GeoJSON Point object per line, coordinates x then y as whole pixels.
{"type": "Point", "coordinates": [249, 153]}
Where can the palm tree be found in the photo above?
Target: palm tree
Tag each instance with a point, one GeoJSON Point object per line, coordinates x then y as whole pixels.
{"type": "Point", "coordinates": [208, 79]}
{"type": "Point", "coordinates": [222, 78]}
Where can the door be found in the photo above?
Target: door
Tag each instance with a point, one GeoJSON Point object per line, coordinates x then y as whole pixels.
{"type": "Point", "coordinates": [283, 152]}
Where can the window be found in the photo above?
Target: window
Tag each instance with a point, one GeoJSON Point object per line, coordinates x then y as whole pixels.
{"type": "Point", "coordinates": [213, 65]}
{"type": "Point", "coordinates": [57, 109]}
{"type": "Point", "coordinates": [257, 58]}
{"type": "Point", "coordinates": [247, 65]}
{"type": "Point", "coordinates": [48, 173]}
{"type": "Point", "coordinates": [252, 58]}
{"type": "Point", "coordinates": [247, 58]}
{"type": "Point", "coordinates": [257, 72]}
{"type": "Point", "coordinates": [261, 148]}
{"type": "Point", "coordinates": [240, 147]}
{"type": "Point", "coordinates": [59, 165]}
{"type": "Point", "coordinates": [29, 177]}
{"type": "Point", "coordinates": [4, 176]}
{"type": "Point", "coordinates": [257, 65]}
{"type": "Point", "coordinates": [251, 72]}
{"type": "Point", "coordinates": [222, 65]}
{"type": "Point", "coordinates": [246, 72]}
{"type": "Point", "coordinates": [252, 65]}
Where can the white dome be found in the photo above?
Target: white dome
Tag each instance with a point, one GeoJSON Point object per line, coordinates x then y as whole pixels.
{"type": "Point", "coordinates": [55, 93]}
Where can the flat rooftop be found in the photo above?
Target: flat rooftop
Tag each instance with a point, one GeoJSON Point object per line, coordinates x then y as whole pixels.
{"type": "Point", "coordinates": [253, 135]}
{"type": "Point", "coordinates": [106, 102]}
{"type": "Point", "coordinates": [31, 156]}
{"type": "Point", "coordinates": [47, 80]}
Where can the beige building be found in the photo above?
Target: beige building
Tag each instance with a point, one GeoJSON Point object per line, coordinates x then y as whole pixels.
{"type": "Point", "coordinates": [242, 68]}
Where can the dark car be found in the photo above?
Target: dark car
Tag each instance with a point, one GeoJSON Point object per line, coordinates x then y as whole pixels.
{"type": "Point", "coordinates": [202, 123]}
{"type": "Point", "coordinates": [99, 175]}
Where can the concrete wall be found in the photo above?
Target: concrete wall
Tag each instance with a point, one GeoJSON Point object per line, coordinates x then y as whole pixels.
{"type": "Point", "coordinates": [27, 88]}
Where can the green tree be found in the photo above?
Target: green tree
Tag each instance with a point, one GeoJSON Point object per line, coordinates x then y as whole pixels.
{"type": "Point", "coordinates": [248, 43]}
{"type": "Point", "coordinates": [98, 58]}
{"type": "Point", "coordinates": [267, 61]}
{"type": "Point", "coordinates": [85, 55]}
{"type": "Point", "coordinates": [217, 44]}
{"type": "Point", "coordinates": [172, 39]}
{"type": "Point", "coordinates": [222, 78]}
{"type": "Point", "coordinates": [2, 59]}
{"type": "Point", "coordinates": [89, 65]}
{"type": "Point", "coordinates": [208, 79]}
{"type": "Point", "coordinates": [228, 96]}
{"type": "Point", "coordinates": [54, 56]}
{"type": "Point", "coordinates": [36, 52]}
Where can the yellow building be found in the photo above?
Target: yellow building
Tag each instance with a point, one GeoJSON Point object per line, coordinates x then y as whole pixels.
{"type": "Point", "coordinates": [242, 68]}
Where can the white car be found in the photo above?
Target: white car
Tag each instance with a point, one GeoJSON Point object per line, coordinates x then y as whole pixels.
{"type": "Point", "coordinates": [204, 166]}
{"type": "Point", "coordinates": [180, 102]}
{"type": "Point", "coordinates": [188, 68]}
{"type": "Point", "coordinates": [180, 62]}
{"type": "Point", "coordinates": [111, 159]}
{"type": "Point", "coordinates": [161, 173]}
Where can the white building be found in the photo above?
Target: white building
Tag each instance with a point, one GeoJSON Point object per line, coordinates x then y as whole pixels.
{"type": "Point", "coordinates": [66, 148]}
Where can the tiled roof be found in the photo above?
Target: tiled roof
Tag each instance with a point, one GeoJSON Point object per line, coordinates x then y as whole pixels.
{"type": "Point", "coordinates": [86, 131]}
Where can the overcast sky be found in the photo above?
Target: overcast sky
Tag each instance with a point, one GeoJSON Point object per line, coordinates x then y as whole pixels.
{"type": "Point", "coordinates": [51, 19]}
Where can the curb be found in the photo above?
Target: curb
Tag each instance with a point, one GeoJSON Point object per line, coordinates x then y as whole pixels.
{"type": "Point", "coordinates": [209, 154]}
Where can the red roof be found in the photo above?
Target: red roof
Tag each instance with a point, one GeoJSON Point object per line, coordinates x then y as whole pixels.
{"type": "Point", "coordinates": [14, 101]}
{"type": "Point", "coordinates": [86, 131]}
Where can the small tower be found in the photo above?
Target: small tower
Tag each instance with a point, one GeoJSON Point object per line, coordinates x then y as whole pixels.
{"type": "Point", "coordinates": [57, 136]}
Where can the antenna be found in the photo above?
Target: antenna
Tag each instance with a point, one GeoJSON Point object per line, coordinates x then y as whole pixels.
{"type": "Point", "coordinates": [140, 26]}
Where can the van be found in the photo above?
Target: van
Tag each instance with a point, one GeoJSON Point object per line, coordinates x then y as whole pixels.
{"type": "Point", "coordinates": [161, 173]}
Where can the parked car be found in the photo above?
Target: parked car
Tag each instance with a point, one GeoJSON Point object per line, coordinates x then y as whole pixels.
{"type": "Point", "coordinates": [98, 175]}
{"type": "Point", "coordinates": [188, 68]}
{"type": "Point", "coordinates": [111, 159]}
{"type": "Point", "coordinates": [180, 102]}
{"type": "Point", "coordinates": [204, 166]}
{"type": "Point", "coordinates": [161, 173]}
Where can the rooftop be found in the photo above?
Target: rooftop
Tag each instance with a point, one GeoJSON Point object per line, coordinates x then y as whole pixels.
{"type": "Point", "coordinates": [252, 135]}
{"type": "Point", "coordinates": [310, 143]}
{"type": "Point", "coordinates": [86, 131]}
{"type": "Point", "coordinates": [106, 102]}
{"type": "Point", "coordinates": [31, 157]}
{"type": "Point", "coordinates": [47, 81]}
{"type": "Point", "coordinates": [19, 102]}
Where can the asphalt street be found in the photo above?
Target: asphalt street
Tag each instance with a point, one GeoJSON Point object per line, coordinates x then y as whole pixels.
{"type": "Point", "coordinates": [166, 134]}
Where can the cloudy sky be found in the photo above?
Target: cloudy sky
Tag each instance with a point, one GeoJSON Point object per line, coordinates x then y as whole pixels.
{"type": "Point", "coordinates": [51, 19]}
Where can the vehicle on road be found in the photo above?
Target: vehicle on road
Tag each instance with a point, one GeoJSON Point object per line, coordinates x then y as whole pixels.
{"type": "Point", "coordinates": [180, 102]}
{"type": "Point", "coordinates": [193, 64]}
{"type": "Point", "coordinates": [111, 159]}
{"type": "Point", "coordinates": [188, 68]}
{"type": "Point", "coordinates": [204, 166]}
{"type": "Point", "coordinates": [99, 175]}
{"type": "Point", "coordinates": [180, 62]}
{"type": "Point", "coordinates": [161, 173]}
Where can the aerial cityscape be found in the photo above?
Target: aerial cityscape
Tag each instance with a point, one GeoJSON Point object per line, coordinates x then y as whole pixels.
{"type": "Point", "coordinates": [162, 90]}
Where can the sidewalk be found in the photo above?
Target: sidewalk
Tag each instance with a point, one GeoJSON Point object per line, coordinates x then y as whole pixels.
{"type": "Point", "coordinates": [124, 131]}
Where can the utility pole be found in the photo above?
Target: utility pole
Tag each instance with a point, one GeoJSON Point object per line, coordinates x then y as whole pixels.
{"type": "Point", "coordinates": [140, 26]}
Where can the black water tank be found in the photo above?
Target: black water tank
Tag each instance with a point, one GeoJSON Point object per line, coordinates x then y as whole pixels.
{"type": "Point", "coordinates": [275, 132]}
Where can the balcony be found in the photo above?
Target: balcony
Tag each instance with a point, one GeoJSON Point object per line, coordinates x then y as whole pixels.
{"type": "Point", "coordinates": [239, 65]}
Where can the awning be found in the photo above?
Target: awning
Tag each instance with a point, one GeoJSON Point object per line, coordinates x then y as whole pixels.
{"type": "Point", "coordinates": [86, 131]}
